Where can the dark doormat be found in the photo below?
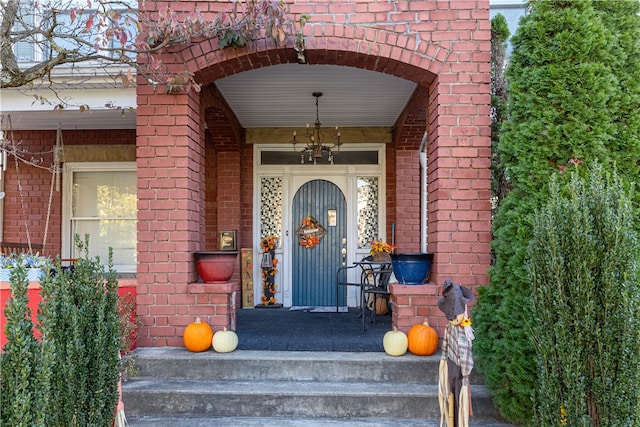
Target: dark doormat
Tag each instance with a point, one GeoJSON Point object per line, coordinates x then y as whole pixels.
{"type": "Point", "coordinates": [281, 329]}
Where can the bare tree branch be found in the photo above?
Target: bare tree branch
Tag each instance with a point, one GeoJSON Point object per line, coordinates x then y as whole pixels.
{"type": "Point", "coordinates": [107, 32]}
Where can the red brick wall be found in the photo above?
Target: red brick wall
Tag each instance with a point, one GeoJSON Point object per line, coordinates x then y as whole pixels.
{"type": "Point", "coordinates": [229, 186]}
{"type": "Point", "coordinates": [391, 202]}
{"type": "Point", "coordinates": [30, 208]}
{"type": "Point", "coordinates": [245, 235]}
{"type": "Point", "coordinates": [224, 137]}
{"type": "Point", "coordinates": [210, 203]}
{"type": "Point", "coordinates": [408, 191]}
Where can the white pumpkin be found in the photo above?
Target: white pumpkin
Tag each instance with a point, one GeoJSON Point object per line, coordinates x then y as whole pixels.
{"type": "Point", "coordinates": [395, 343]}
{"type": "Point", "coordinates": [224, 341]}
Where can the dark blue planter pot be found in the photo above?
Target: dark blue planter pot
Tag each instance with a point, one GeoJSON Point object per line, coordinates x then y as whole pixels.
{"type": "Point", "coordinates": [412, 269]}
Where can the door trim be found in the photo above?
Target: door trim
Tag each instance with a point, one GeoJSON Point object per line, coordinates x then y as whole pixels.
{"type": "Point", "coordinates": [294, 177]}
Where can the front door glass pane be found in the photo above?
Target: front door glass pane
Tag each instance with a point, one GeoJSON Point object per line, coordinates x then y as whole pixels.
{"type": "Point", "coordinates": [368, 194]}
{"type": "Point", "coordinates": [271, 207]}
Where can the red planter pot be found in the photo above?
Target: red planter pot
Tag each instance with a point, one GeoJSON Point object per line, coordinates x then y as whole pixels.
{"type": "Point", "coordinates": [216, 267]}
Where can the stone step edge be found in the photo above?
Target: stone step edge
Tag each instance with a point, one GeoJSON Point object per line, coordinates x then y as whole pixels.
{"type": "Point", "coordinates": [151, 359]}
{"type": "Point", "coordinates": [289, 388]}
{"type": "Point", "coordinates": [297, 422]}
{"type": "Point", "coordinates": [176, 353]}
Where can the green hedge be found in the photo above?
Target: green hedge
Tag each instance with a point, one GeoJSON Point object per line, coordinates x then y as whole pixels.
{"type": "Point", "coordinates": [584, 271]}
{"type": "Point", "coordinates": [69, 376]}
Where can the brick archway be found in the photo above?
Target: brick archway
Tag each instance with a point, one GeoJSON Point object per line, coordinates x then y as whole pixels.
{"type": "Point", "coordinates": [443, 49]}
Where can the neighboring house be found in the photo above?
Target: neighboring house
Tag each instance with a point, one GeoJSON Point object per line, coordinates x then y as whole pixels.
{"type": "Point", "coordinates": [512, 10]}
{"type": "Point", "coordinates": [408, 85]}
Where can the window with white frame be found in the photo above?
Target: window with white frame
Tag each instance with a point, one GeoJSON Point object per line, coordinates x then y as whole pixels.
{"type": "Point", "coordinates": [39, 24]}
{"type": "Point", "coordinates": [24, 47]}
{"type": "Point", "coordinates": [101, 202]}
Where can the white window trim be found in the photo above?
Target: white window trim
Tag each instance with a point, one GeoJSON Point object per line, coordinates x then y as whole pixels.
{"type": "Point", "coordinates": [67, 185]}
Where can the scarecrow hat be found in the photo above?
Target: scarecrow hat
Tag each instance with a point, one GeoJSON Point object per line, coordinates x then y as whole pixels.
{"type": "Point", "coordinates": [454, 299]}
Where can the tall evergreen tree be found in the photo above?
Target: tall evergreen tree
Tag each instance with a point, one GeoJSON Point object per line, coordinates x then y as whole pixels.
{"type": "Point", "coordinates": [621, 17]}
{"type": "Point", "coordinates": [571, 100]}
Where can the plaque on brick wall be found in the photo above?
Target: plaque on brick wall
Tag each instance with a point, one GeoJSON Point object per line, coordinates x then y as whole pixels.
{"type": "Point", "coordinates": [246, 257]}
{"type": "Point", "coordinates": [228, 241]}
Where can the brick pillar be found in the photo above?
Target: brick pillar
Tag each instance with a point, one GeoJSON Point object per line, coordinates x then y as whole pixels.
{"type": "Point", "coordinates": [413, 304]}
{"type": "Point", "coordinates": [459, 181]}
{"type": "Point", "coordinates": [216, 302]}
{"type": "Point", "coordinates": [170, 159]}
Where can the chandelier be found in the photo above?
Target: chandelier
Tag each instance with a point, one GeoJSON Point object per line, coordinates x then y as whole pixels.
{"type": "Point", "coordinates": [316, 147]}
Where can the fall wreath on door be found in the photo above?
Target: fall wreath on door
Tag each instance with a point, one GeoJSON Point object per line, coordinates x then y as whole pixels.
{"type": "Point", "coordinates": [310, 232]}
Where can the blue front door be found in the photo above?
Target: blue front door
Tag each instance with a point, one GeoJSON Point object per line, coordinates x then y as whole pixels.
{"type": "Point", "coordinates": [314, 268]}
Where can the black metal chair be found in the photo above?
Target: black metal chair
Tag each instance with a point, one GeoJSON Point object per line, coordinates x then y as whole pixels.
{"type": "Point", "coordinates": [373, 281]}
{"type": "Point", "coordinates": [378, 287]}
{"type": "Point", "coordinates": [341, 279]}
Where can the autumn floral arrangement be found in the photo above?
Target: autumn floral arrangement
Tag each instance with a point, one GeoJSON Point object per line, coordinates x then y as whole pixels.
{"type": "Point", "coordinates": [310, 232]}
{"type": "Point", "coordinates": [379, 246]}
{"type": "Point", "coordinates": [269, 269]}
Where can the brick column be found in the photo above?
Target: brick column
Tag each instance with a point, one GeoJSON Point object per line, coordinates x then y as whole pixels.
{"type": "Point", "coordinates": [170, 160]}
{"type": "Point", "coordinates": [216, 302]}
{"type": "Point", "coordinates": [408, 188]}
{"type": "Point", "coordinates": [413, 304]}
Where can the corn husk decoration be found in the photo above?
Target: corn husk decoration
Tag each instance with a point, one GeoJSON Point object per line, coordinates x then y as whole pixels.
{"type": "Point", "coordinates": [464, 406]}
{"type": "Point", "coordinates": [121, 419]}
{"type": "Point", "coordinates": [454, 306]}
{"type": "Point", "coordinates": [444, 395]}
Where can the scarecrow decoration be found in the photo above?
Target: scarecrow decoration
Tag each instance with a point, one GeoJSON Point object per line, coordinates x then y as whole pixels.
{"type": "Point", "coordinates": [457, 358]}
{"type": "Point", "coordinates": [310, 232]}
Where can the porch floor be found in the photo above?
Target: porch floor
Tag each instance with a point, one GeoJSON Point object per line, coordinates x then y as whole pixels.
{"type": "Point", "coordinates": [309, 330]}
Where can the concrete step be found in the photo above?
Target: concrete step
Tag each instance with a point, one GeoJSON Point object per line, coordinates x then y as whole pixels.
{"type": "Point", "coordinates": [291, 399]}
{"type": "Point", "coordinates": [178, 388]}
{"type": "Point", "coordinates": [175, 363]}
{"type": "Point", "coordinates": [298, 422]}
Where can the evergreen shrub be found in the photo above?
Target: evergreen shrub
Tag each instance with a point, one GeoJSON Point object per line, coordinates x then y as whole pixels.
{"type": "Point", "coordinates": [67, 377]}
{"type": "Point", "coordinates": [573, 96]}
{"type": "Point", "coordinates": [584, 272]}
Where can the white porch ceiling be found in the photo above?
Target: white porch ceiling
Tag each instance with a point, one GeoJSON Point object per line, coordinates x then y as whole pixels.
{"type": "Point", "coordinates": [281, 96]}
{"type": "Point", "coordinates": [276, 96]}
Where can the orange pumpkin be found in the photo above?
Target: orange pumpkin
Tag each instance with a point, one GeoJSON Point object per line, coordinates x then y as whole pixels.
{"type": "Point", "coordinates": [423, 339]}
{"type": "Point", "coordinates": [382, 307]}
{"type": "Point", "coordinates": [197, 336]}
